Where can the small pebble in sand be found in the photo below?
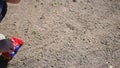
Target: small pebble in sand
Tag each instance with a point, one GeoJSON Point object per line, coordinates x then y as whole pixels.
{"type": "Point", "coordinates": [74, 0]}
{"type": "Point", "coordinates": [110, 66]}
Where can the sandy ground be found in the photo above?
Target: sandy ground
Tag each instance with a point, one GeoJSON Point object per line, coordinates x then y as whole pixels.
{"type": "Point", "coordinates": [65, 34]}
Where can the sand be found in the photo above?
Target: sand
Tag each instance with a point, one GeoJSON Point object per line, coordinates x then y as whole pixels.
{"type": "Point", "coordinates": [65, 33]}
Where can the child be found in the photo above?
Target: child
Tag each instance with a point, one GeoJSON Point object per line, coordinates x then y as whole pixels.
{"type": "Point", "coordinates": [9, 47]}
{"type": "Point", "coordinates": [3, 7]}
{"type": "Point", "coordinates": [6, 45]}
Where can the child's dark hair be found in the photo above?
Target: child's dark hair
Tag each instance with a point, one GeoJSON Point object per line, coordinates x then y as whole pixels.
{"type": "Point", "coordinates": [6, 42]}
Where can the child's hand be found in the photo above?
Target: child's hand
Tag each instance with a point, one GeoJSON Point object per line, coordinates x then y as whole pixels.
{"type": "Point", "coordinates": [6, 45]}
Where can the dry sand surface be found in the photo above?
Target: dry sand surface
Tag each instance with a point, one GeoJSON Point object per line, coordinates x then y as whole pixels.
{"type": "Point", "coordinates": [64, 33]}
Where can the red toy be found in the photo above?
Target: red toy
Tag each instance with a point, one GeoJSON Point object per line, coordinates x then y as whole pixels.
{"type": "Point", "coordinates": [17, 45]}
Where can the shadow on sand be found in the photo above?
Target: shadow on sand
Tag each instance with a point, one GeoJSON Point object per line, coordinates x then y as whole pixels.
{"type": "Point", "coordinates": [3, 62]}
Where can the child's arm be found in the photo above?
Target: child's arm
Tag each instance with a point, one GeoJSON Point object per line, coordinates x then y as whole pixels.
{"type": "Point", "coordinates": [13, 1]}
